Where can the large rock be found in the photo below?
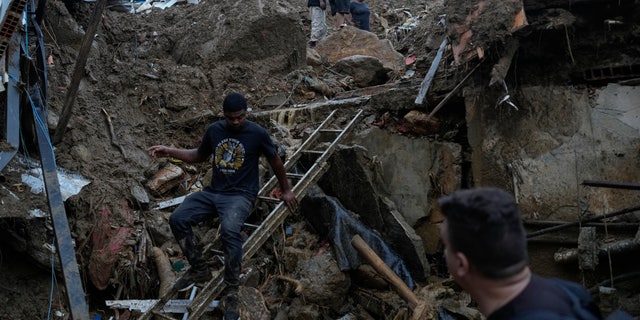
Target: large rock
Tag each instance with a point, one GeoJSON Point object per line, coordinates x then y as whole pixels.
{"type": "Point", "coordinates": [413, 173]}
{"type": "Point", "coordinates": [248, 32]}
{"type": "Point", "coordinates": [365, 70]}
{"type": "Point", "coordinates": [352, 41]}
{"type": "Point", "coordinates": [252, 304]}
{"type": "Point", "coordinates": [325, 284]}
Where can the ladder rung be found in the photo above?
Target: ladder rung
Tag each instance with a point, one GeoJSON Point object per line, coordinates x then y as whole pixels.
{"type": "Point", "coordinates": [278, 214]}
{"type": "Point", "coordinates": [332, 130]}
{"type": "Point", "coordinates": [313, 151]}
{"type": "Point", "coordinates": [255, 226]}
{"type": "Point", "coordinates": [269, 199]}
{"type": "Point", "coordinates": [295, 175]}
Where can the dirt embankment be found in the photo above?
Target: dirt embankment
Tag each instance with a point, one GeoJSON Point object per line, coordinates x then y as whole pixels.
{"type": "Point", "coordinates": [159, 78]}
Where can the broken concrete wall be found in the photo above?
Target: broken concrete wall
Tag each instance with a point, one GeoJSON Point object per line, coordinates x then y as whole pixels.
{"type": "Point", "coordinates": [543, 151]}
{"type": "Point", "coordinates": [406, 166]}
{"type": "Point", "coordinates": [413, 173]}
{"type": "Point", "coordinates": [354, 181]}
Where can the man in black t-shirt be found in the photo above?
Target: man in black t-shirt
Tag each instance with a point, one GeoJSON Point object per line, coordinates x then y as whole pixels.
{"type": "Point", "coordinates": [236, 145]}
{"type": "Point", "coordinates": [486, 253]}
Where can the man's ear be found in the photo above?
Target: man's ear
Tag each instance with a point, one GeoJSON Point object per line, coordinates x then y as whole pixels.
{"type": "Point", "coordinates": [461, 265]}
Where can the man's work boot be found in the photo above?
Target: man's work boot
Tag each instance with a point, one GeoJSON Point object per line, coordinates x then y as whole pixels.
{"type": "Point", "coordinates": [199, 271]}
{"type": "Point", "coordinates": [196, 274]}
{"type": "Point", "coordinates": [231, 306]}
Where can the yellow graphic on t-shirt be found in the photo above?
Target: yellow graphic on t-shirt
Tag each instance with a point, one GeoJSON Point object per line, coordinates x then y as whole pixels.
{"type": "Point", "coordinates": [229, 155]}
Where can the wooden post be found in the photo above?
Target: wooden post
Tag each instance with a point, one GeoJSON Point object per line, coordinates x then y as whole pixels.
{"type": "Point", "coordinates": [78, 70]}
{"type": "Point", "coordinates": [384, 270]}
{"type": "Point", "coordinates": [446, 98]}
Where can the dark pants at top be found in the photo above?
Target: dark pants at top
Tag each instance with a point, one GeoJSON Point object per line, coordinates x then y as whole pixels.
{"type": "Point", "coordinates": [233, 210]}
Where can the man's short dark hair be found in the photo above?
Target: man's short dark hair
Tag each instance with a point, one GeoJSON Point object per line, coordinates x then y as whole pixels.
{"type": "Point", "coordinates": [234, 102]}
{"type": "Point", "coordinates": [486, 226]}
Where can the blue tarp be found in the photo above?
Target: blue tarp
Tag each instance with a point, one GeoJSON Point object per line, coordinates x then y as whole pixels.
{"type": "Point", "coordinates": [327, 215]}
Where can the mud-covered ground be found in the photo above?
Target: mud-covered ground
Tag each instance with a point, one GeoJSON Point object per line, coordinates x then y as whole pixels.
{"type": "Point", "coordinates": [159, 78]}
{"type": "Point", "coordinates": [151, 75]}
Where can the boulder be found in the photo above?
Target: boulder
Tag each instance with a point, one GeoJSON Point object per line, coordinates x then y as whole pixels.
{"type": "Point", "coordinates": [365, 70]}
{"type": "Point", "coordinates": [352, 41]}
{"type": "Point", "coordinates": [268, 33]}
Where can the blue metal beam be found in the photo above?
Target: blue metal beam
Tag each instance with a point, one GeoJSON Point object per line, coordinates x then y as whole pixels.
{"type": "Point", "coordinates": [66, 251]}
{"type": "Point", "coordinates": [12, 123]}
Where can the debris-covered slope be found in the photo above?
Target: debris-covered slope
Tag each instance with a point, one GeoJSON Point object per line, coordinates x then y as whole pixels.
{"type": "Point", "coordinates": [159, 78]}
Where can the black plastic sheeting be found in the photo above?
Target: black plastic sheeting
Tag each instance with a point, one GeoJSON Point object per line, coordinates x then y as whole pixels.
{"type": "Point", "coordinates": [331, 220]}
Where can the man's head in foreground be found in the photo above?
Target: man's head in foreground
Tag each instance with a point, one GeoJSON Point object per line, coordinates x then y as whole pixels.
{"type": "Point", "coordinates": [483, 235]}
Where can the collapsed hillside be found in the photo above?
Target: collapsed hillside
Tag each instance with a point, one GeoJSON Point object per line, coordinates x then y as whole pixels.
{"type": "Point", "coordinates": [160, 77]}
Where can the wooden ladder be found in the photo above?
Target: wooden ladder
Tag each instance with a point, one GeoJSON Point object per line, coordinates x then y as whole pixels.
{"type": "Point", "coordinates": [320, 144]}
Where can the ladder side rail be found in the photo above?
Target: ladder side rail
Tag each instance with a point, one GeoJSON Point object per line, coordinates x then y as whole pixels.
{"type": "Point", "coordinates": [250, 247]}
{"type": "Point", "coordinates": [329, 151]}
{"type": "Point", "coordinates": [305, 145]}
{"type": "Point", "coordinates": [325, 154]}
{"type": "Point", "coordinates": [288, 165]}
{"type": "Point", "coordinates": [158, 305]}
{"type": "Point", "coordinates": [319, 165]}
{"type": "Point", "coordinates": [311, 176]}
{"type": "Point", "coordinates": [212, 289]}
{"type": "Point", "coordinates": [269, 225]}
{"type": "Point", "coordinates": [271, 183]}
{"type": "Point", "coordinates": [215, 286]}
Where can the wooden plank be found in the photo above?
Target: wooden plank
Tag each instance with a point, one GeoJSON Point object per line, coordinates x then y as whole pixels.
{"type": "Point", "coordinates": [383, 269]}
{"type": "Point", "coordinates": [78, 71]}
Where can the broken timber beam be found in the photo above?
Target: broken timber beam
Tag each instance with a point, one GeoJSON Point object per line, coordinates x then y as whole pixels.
{"type": "Point", "coordinates": [171, 306]}
{"type": "Point", "coordinates": [448, 96]}
{"type": "Point", "coordinates": [603, 249]}
{"type": "Point", "coordinates": [311, 107]}
{"type": "Point", "coordinates": [383, 269]}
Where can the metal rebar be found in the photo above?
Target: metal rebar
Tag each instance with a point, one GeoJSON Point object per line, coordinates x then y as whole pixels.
{"type": "Point", "coordinates": [576, 223]}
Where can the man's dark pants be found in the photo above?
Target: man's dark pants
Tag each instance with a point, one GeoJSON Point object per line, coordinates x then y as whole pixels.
{"type": "Point", "coordinates": [233, 210]}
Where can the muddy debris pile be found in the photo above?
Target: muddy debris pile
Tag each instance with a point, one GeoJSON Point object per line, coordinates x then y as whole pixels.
{"type": "Point", "coordinates": [448, 94]}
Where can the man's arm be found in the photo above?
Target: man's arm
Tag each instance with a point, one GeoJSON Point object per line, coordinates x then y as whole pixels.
{"type": "Point", "coordinates": [287, 194]}
{"type": "Point", "coordinates": [186, 155]}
